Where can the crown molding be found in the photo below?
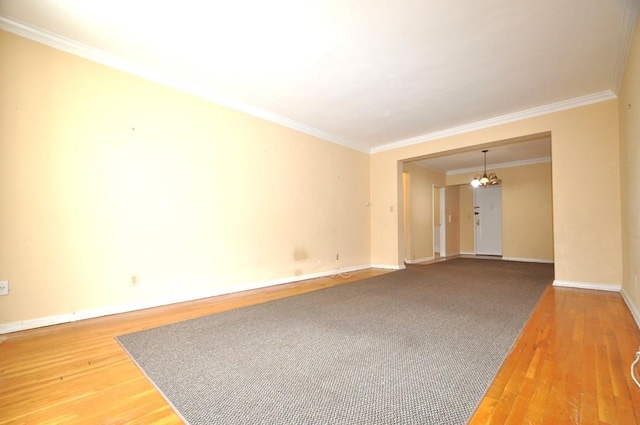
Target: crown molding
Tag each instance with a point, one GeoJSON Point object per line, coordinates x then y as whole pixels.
{"type": "Point", "coordinates": [541, 160]}
{"type": "Point", "coordinates": [113, 61]}
{"type": "Point", "coordinates": [503, 119]}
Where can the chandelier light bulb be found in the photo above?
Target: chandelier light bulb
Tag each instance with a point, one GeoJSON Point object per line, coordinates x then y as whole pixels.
{"type": "Point", "coordinates": [485, 180]}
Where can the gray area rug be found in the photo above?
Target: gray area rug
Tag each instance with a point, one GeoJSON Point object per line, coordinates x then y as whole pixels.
{"type": "Point", "coordinates": [417, 346]}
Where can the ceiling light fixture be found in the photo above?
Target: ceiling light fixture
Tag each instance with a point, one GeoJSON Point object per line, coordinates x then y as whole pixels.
{"type": "Point", "coordinates": [484, 179]}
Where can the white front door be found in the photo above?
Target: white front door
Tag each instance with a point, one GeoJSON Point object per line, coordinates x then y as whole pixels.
{"type": "Point", "coordinates": [488, 217]}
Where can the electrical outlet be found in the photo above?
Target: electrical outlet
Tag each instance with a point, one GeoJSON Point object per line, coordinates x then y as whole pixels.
{"type": "Point", "coordinates": [134, 280]}
{"type": "Point", "coordinates": [4, 287]}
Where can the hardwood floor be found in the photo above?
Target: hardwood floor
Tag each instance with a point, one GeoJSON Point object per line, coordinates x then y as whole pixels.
{"type": "Point", "coordinates": [570, 365]}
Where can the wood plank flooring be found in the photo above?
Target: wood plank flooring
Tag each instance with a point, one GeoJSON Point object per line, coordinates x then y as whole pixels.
{"type": "Point", "coordinates": [570, 365]}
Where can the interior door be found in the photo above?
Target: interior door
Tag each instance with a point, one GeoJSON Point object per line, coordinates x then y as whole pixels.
{"type": "Point", "coordinates": [488, 218]}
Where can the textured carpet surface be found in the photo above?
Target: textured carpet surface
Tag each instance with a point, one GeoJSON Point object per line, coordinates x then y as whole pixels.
{"type": "Point", "coordinates": [417, 346]}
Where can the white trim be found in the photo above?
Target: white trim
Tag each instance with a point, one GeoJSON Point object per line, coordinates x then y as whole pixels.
{"type": "Point", "coordinates": [587, 285]}
{"type": "Point", "coordinates": [420, 260]}
{"type": "Point", "coordinates": [502, 165]}
{"type": "Point", "coordinates": [516, 116]}
{"type": "Point", "coordinates": [36, 323]}
{"type": "Point", "coordinates": [528, 260]}
{"type": "Point", "coordinates": [388, 266]}
{"type": "Point", "coordinates": [96, 55]}
{"type": "Point", "coordinates": [468, 253]}
{"type": "Point", "coordinates": [443, 222]}
{"type": "Point", "coordinates": [125, 308]}
{"type": "Point", "coordinates": [632, 308]}
{"type": "Point", "coordinates": [82, 50]}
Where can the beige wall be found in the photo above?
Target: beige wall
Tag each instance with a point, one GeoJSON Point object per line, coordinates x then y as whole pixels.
{"type": "Point", "coordinates": [527, 191]}
{"type": "Point", "coordinates": [104, 175]}
{"type": "Point", "coordinates": [629, 109]}
{"type": "Point", "coordinates": [436, 204]}
{"type": "Point", "coordinates": [467, 220]}
{"type": "Point", "coordinates": [527, 211]}
{"type": "Point", "coordinates": [420, 217]}
{"type": "Point", "coordinates": [452, 219]}
{"type": "Point", "coordinates": [586, 237]}
{"type": "Point", "coordinates": [406, 214]}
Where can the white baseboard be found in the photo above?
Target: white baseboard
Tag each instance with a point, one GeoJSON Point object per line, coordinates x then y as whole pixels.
{"type": "Point", "coordinates": [587, 285]}
{"type": "Point", "coordinates": [420, 260]}
{"type": "Point", "coordinates": [468, 253]}
{"type": "Point", "coordinates": [388, 266]}
{"type": "Point", "coordinates": [632, 308]}
{"type": "Point", "coordinates": [174, 299]}
{"type": "Point", "coordinates": [37, 323]}
{"type": "Point", "coordinates": [528, 260]}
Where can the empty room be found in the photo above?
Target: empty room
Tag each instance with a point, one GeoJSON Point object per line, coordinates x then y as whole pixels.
{"type": "Point", "coordinates": [319, 212]}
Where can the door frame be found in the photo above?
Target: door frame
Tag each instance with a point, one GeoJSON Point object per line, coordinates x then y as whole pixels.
{"type": "Point", "coordinates": [441, 215]}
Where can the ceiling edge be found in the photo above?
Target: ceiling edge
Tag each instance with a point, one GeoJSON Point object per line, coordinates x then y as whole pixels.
{"type": "Point", "coordinates": [96, 55]}
{"type": "Point", "coordinates": [542, 160]}
{"type": "Point", "coordinates": [491, 122]}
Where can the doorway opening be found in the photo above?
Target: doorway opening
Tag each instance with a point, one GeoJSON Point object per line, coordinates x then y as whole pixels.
{"type": "Point", "coordinates": [522, 224]}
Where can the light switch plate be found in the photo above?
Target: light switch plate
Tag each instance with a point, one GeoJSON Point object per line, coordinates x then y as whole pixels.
{"type": "Point", "coordinates": [4, 287]}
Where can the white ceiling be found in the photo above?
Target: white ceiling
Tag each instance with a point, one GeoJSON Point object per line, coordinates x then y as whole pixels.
{"type": "Point", "coordinates": [369, 74]}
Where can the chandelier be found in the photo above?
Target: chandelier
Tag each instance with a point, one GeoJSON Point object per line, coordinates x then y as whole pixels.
{"type": "Point", "coordinates": [484, 179]}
